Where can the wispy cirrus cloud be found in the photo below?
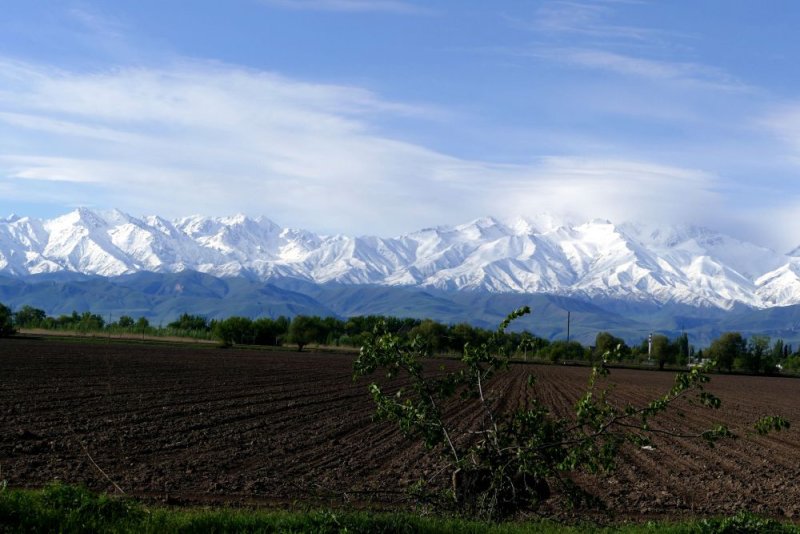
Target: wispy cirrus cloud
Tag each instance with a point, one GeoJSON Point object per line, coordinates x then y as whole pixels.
{"type": "Point", "coordinates": [97, 24]}
{"type": "Point", "coordinates": [783, 122]}
{"type": "Point", "coordinates": [583, 34]}
{"type": "Point", "coordinates": [101, 34]}
{"type": "Point", "coordinates": [352, 6]}
{"type": "Point", "coordinates": [588, 19]}
{"type": "Point", "coordinates": [684, 72]}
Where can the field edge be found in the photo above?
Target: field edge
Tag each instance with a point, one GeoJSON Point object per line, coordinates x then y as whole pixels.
{"type": "Point", "coordinates": [66, 508]}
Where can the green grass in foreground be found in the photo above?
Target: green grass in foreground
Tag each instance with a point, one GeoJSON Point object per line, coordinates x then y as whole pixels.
{"type": "Point", "coordinates": [61, 508]}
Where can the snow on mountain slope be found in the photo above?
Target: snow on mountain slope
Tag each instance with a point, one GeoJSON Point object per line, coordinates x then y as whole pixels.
{"type": "Point", "coordinates": [20, 239]}
{"type": "Point", "coordinates": [780, 287]}
{"type": "Point", "coordinates": [685, 264]}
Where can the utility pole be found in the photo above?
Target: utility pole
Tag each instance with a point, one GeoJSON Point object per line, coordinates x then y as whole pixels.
{"type": "Point", "coordinates": [649, 346]}
{"type": "Point", "coordinates": [568, 313]}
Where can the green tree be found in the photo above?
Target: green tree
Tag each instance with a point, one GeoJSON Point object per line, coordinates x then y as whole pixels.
{"type": "Point", "coordinates": [125, 321]}
{"type": "Point", "coordinates": [604, 343]}
{"type": "Point", "coordinates": [726, 349]}
{"type": "Point", "coordinates": [460, 335]}
{"type": "Point", "coordinates": [303, 330]}
{"type": "Point", "coordinates": [792, 364]}
{"type": "Point", "coordinates": [68, 321]}
{"type": "Point", "coordinates": [664, 352]}
{"type": "Point", "coordinates": [89, 322]}
{"type": "Point", "coordinates": [234, 330]}
{"type": "Point", "coordinates": [29, 317]}
{"type": "Point", "coordinates": [6, 321]}
{"type": "Point", "coordinates": [190, 323]}
{"type": "Point", "coordinates": [683, 349]}
{"type": "Point", "coordinates": [142, 324]}
{"type": "Point", "coordinates": [330, 330]}
{"type": "Point", "coordinates": [430, 335]}
{"type": "Point", "coordinates": [526, 343]}
{"type": "Point", "coordinates": [779, 351]}
{"type": "Point", "coordinates": [268, 331]}
{"type": "Point", "coordinates": [561, 350]}
{"type": "Point", "coordinates": [755, 358]}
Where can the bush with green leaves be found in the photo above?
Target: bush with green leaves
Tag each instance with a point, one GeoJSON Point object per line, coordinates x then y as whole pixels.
{"type": "Point", "coordinates": [516, 457]}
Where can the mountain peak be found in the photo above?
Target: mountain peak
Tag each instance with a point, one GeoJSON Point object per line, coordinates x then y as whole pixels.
{"type": "Point", "coordinates": [237, 219]}
{"type": "Point", "coordinates": [531, 254]}
{"type": "Point", "coordinates": [486, 221]}
{"type": "Point", "coordinates": [79, 216]}
{"type": "Point", "coordinates": [533, 224]}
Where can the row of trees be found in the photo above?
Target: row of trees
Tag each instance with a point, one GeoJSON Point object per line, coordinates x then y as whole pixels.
{"type": "Point", "coordinates": [432, 337]}
{"type": "Point", "coordinates": [30, 317]}
{"type": "Point", "coordinates": [731, 351]}
{"type": "Point", "coordinates": [759, 354]}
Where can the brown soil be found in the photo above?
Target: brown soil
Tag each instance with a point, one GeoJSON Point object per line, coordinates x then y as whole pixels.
{"type": "Point", "coordinates": [198, 425]}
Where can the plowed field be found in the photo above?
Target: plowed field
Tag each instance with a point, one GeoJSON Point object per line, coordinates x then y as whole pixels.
{"type": "Point", "coordinates": [195, 424]}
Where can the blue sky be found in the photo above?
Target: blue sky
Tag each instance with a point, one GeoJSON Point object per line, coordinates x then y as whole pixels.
{"type": "Point", "coordinates": [385, 116]}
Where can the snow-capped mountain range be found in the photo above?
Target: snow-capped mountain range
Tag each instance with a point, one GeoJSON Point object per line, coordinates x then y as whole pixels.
{"type": "Point", "coordinates": [595, 259]}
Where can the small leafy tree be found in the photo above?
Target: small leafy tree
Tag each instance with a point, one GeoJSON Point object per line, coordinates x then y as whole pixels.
{"type": "Point", "coordinates": [512, 460]}
{"type": "Point", "coordinates": [726, 349]}
{"type": "Point", "coordinates": [562, 350]}
{"type": "Point", "coordinates": [189, 322]}
{"type": "Point", "coordinates": [460, 335]}
{"type": "Point", "coordinates": [268, 331]}
{"type": "Point", "coordinates": [126, 321]}
{"type": "Point", "coordinates": [607, 343]}
{"type": "Point", "coordinates": [432, 334]}
{"type": "Point", "coordinates": [89, 322]}
{"type": "Point", "coordinates": [29, 317]}
{"type": "Point", "coordinates": [234, 330]}
{"type": "Point", "coordinates": [684, 349]}
{"type": "Point", "coordinates": [663, 350]}
{"type": "Point", "coordinates": [6, 322]}
{"type": "Point", "coordinates": [757, 358]}
{"type": "Point", "coordinates": [526, 343]}
{"type": "Point", "coordinates": [303, 330]}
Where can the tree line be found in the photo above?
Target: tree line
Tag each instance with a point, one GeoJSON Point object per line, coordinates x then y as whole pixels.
{"type": "Point", "coordinates": [730, 351]}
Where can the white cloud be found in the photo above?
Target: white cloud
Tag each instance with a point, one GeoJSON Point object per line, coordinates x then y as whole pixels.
{"type": "Point", "coordinates": [65, 127]}
{"type": "Point", "coordinates": [214, 138]}
{"type": "Point", "coordinates": [784, 123]}
{"type": "Point", "coordinates": [53, 169]}
{"type": "Point", "coordinates": [582, 34]}
{"type": "Point", "coordinates": [219, 139]}
{"type": "Point", "coordinates": [688, 74]}
{"type": "Point", "coordinates": [619, 190]}
{"type": "Point", "coordinates": [588, 19]}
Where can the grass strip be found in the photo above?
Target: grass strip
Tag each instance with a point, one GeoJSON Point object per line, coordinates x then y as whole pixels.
{"type": "Point", "coordinates": [70, 509]}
